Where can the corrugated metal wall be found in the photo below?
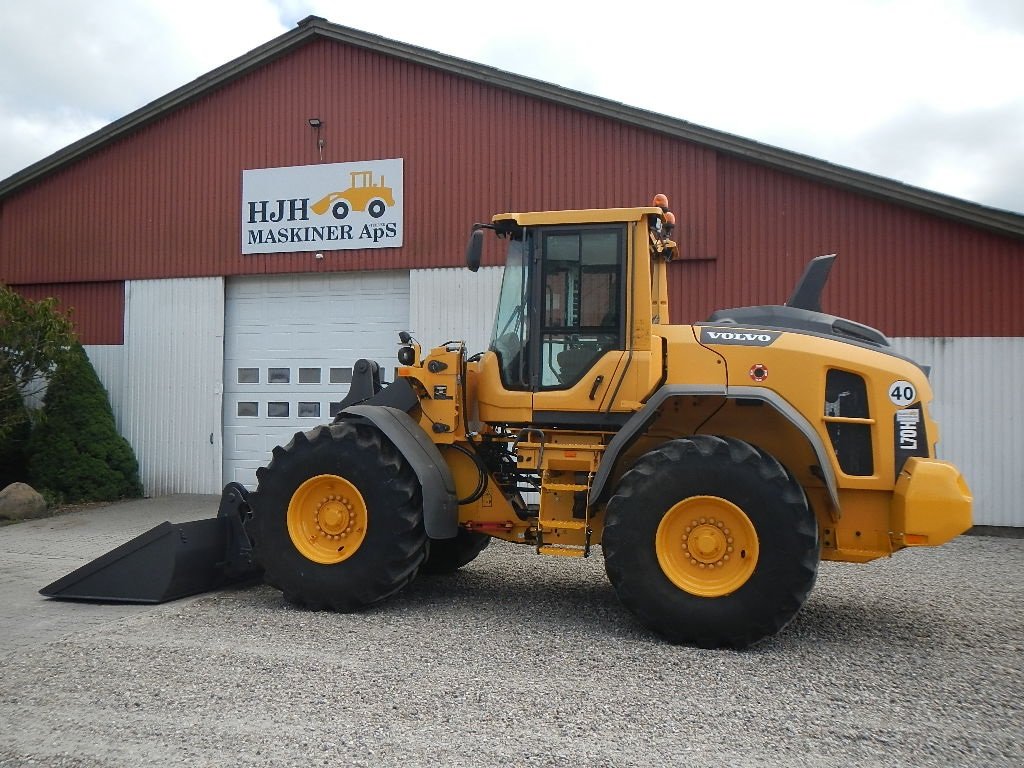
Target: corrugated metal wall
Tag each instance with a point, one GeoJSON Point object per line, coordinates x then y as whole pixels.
{"type": "Point", "coordinates": [979, 413]}
{"type": "Point", "coordinates": [97, 309]}
{"type": "Point", "coordinates": [905, 272]}
{"type": "Point", "coordinates": [172, 388]}
{"type": "Point", "coordinates": [165, 202]}
{"type": "Point", "coordinates": [470, 150]}
{"type": "Point", "coordinates": [453, 305]}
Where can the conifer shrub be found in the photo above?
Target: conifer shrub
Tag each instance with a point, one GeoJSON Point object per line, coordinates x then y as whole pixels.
{"type": "Point", "coordinates": [14, 437]}
{"type": "Point", "coordinates": [75, 451]}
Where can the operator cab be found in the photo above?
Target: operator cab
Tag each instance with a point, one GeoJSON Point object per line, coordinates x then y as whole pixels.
{"type": "Point", "coordinates": [572, 339]}
{"type": "Point", "coordinates": [561, 305]}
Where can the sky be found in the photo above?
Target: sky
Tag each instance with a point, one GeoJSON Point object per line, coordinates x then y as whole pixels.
{"type": "Point", "coordinates": [926, 92]}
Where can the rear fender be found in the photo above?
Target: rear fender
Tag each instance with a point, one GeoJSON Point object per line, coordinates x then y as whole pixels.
{"type": "Point", "coordinates": [440, 503]}
{"type": "Point", "coordinates": [642, 419]}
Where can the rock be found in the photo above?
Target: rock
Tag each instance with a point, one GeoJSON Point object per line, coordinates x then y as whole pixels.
{"type": "Point", "coordinates": [19, 501]}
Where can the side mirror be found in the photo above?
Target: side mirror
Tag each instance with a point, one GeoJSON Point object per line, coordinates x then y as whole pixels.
{"type": "Point", "coordinates": [475, 249]}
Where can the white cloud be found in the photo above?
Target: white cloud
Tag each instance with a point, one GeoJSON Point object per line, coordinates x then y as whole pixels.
{"type": "Point", "coordinates": [69, 68]}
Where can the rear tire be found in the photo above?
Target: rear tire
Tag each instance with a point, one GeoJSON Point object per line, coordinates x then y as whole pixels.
{"type": "Point", "coordinates": [710, 542]}
{"type": "Point", "coordinates": [448, 555]}
{"type": "Point", "coordinates": [338, 518]}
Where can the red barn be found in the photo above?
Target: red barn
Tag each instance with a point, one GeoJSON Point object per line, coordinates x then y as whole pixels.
{"type": "Point", "coordinates": [220, 320]}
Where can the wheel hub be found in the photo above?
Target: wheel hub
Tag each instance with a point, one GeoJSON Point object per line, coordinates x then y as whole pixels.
{"type": "Point", "coordinates": [707, 546]}
{"type": "Point", "coordinates": [327, 519]}
{"type": "Point", "coordinates": [708, 542]}
{"type": "Point", "coordinates": [334, 517]}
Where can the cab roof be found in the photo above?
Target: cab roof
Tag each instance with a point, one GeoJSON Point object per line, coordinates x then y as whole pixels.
{"type": "Point", "coordinates": [582, 216]}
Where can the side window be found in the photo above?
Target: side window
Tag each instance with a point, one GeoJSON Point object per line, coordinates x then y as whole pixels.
{"type": "Point", "coordinates": [582, 302]}
{"type": "Point", "coordinates": [511, 334]}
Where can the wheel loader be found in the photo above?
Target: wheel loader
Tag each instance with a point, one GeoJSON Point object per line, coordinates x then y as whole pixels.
{"type": "Point", "coordinates": [715, 463]}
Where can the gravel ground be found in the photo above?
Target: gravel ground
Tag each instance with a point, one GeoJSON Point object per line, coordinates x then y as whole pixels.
{"type": "Point", "coordinates": [524, 660]}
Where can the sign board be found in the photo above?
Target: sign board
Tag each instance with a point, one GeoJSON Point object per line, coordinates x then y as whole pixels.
{"type": "Point", "coordinates": [322, 207]}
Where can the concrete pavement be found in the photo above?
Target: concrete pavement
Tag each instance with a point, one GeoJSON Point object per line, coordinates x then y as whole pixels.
{"type": "Point", "coordinates": [37, 552]}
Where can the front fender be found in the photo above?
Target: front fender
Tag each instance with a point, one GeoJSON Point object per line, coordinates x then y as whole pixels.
{"type": "Point", "coordinates": [440, 503]}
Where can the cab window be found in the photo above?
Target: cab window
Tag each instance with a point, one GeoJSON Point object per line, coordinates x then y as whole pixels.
{"type": "Point", "coordinates": [582, 301]}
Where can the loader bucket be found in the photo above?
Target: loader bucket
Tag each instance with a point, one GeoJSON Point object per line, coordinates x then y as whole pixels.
{"type": "Point", "coordinates": [169, 561]}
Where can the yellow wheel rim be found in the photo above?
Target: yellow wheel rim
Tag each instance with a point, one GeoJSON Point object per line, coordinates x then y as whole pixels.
{"type": "Point", "coordinates": [327, 519]}
{"type": "Point", "coordinates": [707, 546]}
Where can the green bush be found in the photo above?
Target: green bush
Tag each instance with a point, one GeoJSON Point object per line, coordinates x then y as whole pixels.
{"type": "Point", "coordinates": [75, 451]}
{"type": "Point", "coordinates": [35, 339]}
{"type": "Point", "coordinates": [14, 437]}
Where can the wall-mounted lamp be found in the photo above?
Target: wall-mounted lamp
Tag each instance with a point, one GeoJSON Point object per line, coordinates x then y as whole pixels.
{"type": "Point", "coordinates": [316, 124]}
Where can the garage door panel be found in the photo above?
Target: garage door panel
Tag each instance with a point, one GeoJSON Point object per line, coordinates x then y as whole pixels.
{"type": "Point", "coordinates": [290, 345]}
{"type": "Point", "coordinates": [243, 472]}
{"type": "Point", "coordinates": [247, 443]}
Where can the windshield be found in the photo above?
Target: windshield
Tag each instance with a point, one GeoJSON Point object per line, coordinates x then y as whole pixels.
{"type": "Point", "coordinates": [509, 338]}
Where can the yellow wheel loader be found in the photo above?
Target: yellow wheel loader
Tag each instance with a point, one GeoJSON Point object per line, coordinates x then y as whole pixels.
{"type": "Point", "coordinates": [716, 463]}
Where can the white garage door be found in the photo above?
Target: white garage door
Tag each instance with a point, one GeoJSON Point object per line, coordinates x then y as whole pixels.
{"type": "Point", "coordinates": [289, 346]}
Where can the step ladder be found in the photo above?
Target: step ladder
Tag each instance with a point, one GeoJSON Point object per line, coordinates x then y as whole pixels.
{"type": "Point", "coordinates": [557, 501]}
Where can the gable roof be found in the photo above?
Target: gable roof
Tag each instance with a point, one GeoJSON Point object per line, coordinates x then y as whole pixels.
{"type": "Point", "coordinates": [993, 219]}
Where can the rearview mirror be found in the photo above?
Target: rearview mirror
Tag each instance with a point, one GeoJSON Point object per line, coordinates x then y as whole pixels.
{"type": "Point", "coordinates": [474, 250]}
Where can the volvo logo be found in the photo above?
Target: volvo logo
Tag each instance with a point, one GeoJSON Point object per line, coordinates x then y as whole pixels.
{"type": "Point", "coordinates": [727, 336]}
{"type": "Point", "coordinates": [740, 338]}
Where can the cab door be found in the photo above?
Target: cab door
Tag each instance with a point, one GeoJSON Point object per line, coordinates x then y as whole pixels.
{"type": "Point", "coordinates": [578, 322]}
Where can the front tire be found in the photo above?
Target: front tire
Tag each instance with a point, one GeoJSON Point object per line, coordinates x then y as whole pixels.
{"type": "Point", "coordinates": [710, 542]}
{"type": "Point", "coordinates": [338, 518]}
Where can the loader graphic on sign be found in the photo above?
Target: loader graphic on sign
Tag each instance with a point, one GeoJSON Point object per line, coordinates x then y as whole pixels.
{"type": "Point", "coordinates": [362, 195]}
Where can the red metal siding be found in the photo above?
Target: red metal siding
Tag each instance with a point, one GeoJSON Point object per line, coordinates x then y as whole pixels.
{"type": "Point", "coordinates": [165, 201]}
{"type": "Point", "coordinates": [905, 272]}
{"type": "Point", "coordinates": [97, 309]}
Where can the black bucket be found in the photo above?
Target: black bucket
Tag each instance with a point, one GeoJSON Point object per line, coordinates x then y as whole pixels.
{"type": "Point", "coordinates": [169, 561]}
